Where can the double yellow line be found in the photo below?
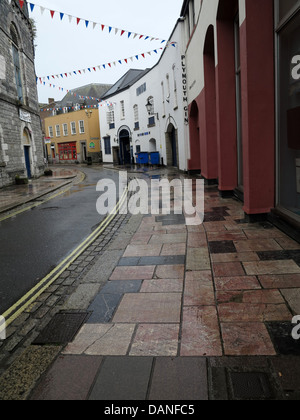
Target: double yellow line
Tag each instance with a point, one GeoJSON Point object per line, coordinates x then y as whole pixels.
{"type": "Point", "coordinates": [16, 310]}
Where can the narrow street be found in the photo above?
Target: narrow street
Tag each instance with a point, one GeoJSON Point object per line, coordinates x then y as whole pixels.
{"type": "Point", "coordinates": [37, 240]}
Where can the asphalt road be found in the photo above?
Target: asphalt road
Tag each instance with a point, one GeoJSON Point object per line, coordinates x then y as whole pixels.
{"type": "Point", "coordinates": [34, 242]}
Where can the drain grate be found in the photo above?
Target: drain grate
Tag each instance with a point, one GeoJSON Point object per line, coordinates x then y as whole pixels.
{"type": "Point", "coordinates": [62, 329]}
{"type": "Point", "coordinates": [251, 386]}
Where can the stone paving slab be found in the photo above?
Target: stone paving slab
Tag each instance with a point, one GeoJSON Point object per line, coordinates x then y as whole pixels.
{"type": "Point", "coordinates": [217, 295]}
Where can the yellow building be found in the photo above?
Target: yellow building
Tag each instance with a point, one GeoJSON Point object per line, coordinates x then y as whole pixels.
{"type": "Point", "coordinates": [73, 136]}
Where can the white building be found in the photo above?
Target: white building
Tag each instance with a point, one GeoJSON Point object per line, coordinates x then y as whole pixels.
{"type": "Point", "coordinates": [126, 125]}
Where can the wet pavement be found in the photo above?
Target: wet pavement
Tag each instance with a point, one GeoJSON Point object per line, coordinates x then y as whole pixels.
{"type": "Point", "coordinates": [174, 312]}
{"type": "Point", "coordinates": [16, 195]}
{"type": "Point", "coordinates": [38, 239]}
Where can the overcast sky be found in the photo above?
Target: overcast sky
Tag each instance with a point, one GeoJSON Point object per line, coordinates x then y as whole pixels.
{"type": "Point", "coordinates": [63, 47]}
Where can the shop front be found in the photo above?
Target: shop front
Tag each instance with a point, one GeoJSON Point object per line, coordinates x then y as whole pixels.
{"type": "Point", "coordinates": [67, 151]}
{"type": "Point", "coordinates": [288, 108]}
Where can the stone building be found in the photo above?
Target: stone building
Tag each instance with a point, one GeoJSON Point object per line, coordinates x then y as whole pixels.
{"type": "Point", "coordinates": [21, 144]}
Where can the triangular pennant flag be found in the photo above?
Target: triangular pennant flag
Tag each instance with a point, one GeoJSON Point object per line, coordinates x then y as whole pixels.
{"type": "Point", "coordinates": [143, 55]}
{"type": "Point", "coordinates": [129, 34]}
{"type": "Point", "coordinates": [32, 6]}
{"type": "Point", "coordinates": [70, 18]}
{"type": "Point", "coordinates": [21, 2]}
{"type": "Point", "coordinates": [52, 12]}
{"type": "Point", "coordinates": [78, 21]}
{"type": "Point", "coordinates": [94, 25]}
{"type": "Point", "coordinates": [120, 61]}
{"type": "Point", "coordinates": [61, 15]}
{"type": "Point", "coordinates": [87, 23]}
{"type": "Point", "coordinates": [122, 32]}
{"type": "Point", "coordinates": [42, 10]}
{"type": "Point", "coordinates": [110, 29]}
{"type": "Point", "coordinates": [141, 36]}
{"type": "Point", "coordinates": [102, 26]}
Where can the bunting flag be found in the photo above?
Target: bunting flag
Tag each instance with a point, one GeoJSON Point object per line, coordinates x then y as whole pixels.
{"type": "Point", "coordinates": [105, 66]}
{"type": "Point", "coordinates": [74, 108]}
{"type": "Point", "coordinates": [88, 23]}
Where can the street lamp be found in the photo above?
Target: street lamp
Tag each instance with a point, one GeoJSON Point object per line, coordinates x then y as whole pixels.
{"type": "Point", "coordinates": [149, 107]}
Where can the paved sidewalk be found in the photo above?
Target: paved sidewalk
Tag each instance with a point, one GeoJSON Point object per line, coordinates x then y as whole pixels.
{"type": "Point", "coordinates": [183, 313]}
{"type": "Point", "coordinates": [17, 195]}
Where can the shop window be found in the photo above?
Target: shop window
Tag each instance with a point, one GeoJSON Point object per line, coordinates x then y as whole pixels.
{"type": "Point", "coordinates": [289, 117]}
{"type": "Point", "coordinates": [67, 151]}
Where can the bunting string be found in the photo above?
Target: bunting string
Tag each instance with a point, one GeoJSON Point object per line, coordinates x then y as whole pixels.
{"type": "Point", "coordinates": [90, 24]}
{"type": "Point", "coordinates": [78, 106]}
{"type": "Point", "coordinates": [105, 66]}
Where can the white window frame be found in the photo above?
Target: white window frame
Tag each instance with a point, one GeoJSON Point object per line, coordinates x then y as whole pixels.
{"type": "Point", "coordinates": [73, 128]}
{"type": "Point", "coordinates": [122, 109]}
{"type": "Point", "coordinates": [51, 132]}
{"type": "Point", "coordinates": [57, 130]}
{"type": "Point", "coordinates": [65, 130]}
{"type": "Point", "coordinates": [81, 127]}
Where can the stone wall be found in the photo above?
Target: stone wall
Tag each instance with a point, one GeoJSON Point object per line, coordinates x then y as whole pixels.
{"type": "Point", "coordinates": [19, 119]}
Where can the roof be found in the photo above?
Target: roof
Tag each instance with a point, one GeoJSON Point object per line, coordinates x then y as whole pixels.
{"type": "Point", "coordinates": [85, 94]}
{"type": "Point", "coordinates": [126, 81]}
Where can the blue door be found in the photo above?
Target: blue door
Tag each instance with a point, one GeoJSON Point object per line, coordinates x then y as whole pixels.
{"type": "Point", "coordinates": [27, 160]}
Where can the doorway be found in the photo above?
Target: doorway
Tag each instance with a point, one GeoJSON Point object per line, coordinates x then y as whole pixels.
{"type": "Point", "coordinates": [172, 146]}
{"type": "Point", "coordinates": [27, 161]}
{"type": "Point", "coordinates": [125, 154]}
{"type": "Point", "coordinates": [27, 145]}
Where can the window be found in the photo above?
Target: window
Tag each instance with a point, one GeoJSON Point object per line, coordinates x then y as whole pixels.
{"type": "Point", "coordinates": [175, 87]}
{"type": "Point", "coordinates": [122, 104]}
{"type": "Point", "coordinates": [51, 132]}
{"type": "Point", "coordinates": [57, 130]}
{"type": "Point", "coordinates": [136, 117]}
{"type": "Point", "coordinates": [16, 61]}
{"type": "Point", "coordinates": [141, 89]}
{"type": "Point", "coordinates": [65, 130]}
{"type": "Point", "coordinates": [151, 121]}
{"type": "Point", "coordinates": [111, 117]}
{"type": "Point", "coordinates": [107, 146]}
{"type": "Point", "coordinates": [163, 96]}
{"type": "Point", "coordinates": [67, 151]}
{"type": "Point", "coordinates": [81, 127]}
{"type": "Point", "coordinates": [73, 128]}
{"type": "Point", "coordinates": [168, 88]}
{"type": "Point", "coordinates": [288, 167]}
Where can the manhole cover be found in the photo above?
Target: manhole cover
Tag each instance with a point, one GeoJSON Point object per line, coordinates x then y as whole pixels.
{"type": "Point", "coordinates": [250, 386]}
{"type": "Point", "coordinates": [62, 329]}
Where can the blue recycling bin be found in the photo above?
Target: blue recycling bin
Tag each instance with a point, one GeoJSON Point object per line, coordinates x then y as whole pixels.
{"type": "Point", "coordinates": [154, 158]}
{"type": "Point", "coordinates": [142, 158]}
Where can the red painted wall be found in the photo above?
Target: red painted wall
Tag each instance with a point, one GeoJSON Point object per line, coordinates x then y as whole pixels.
{"type": "Point", "coordinates": [226, 106]}
{"type": "Point", "coordinates": [258, 106]}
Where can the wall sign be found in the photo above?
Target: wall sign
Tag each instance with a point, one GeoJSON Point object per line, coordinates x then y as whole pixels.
{"type": "Point", "coordinates": [184, 90]}
{"type": "Point", "coordinates": [24, 116]}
